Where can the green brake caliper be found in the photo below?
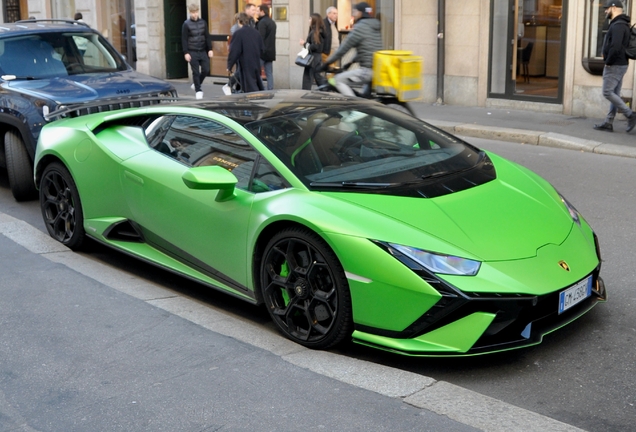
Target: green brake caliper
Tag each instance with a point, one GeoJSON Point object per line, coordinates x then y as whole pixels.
{"type": "Point", "coordinates": [284, 272]}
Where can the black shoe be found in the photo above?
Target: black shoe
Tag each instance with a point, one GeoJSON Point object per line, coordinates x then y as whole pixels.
{"type": "Point", "coordinates": [607, 127]}
{"type": "Point", "coordinates": [631, 122]}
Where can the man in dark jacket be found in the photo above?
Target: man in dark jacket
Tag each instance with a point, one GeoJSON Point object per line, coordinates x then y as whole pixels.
{"type": "Point", "coordinates": [332, 36]}
{"type": "Point", "coordinates": [197, 47]}
{"type": "Point", "coordinates": [267, 28]}
{"type": "Point", "coordinates": [366, 39]}
{"type": "Point", "coordinates": [616, 63]}
{"type": "Point", "coordinates": [246, 49]}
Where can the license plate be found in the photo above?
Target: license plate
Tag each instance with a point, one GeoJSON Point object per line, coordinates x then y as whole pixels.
{"type": "Point", "coordinates": [575, 294]}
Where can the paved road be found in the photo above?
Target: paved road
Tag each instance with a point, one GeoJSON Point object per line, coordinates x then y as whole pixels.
{"type": "Point", "coordinates": [78, 355]}
{"type": "Point", "coordinates": [580, 375]}
{"type": "Point", "coordinates": [87, 345]}
{"type": "Point", "coordinates": [583, 374]}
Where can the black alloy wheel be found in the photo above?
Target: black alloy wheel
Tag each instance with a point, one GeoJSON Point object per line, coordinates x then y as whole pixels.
{"type": "Point", "coordinates": [305, 289]}
{"type": "Point", "coordinates": [61, 206]}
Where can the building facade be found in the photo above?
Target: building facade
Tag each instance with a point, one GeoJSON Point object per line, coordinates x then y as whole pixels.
{"type": "Point", "coordinates": [524, 54]}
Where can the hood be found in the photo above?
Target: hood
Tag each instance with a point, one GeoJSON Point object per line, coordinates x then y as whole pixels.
{"type": "Point", "coordinates": [622, 18]}
{"type": "Point", "coordinates": [90, 87]}
{"type": "Point", "coordinates": [508, 218]}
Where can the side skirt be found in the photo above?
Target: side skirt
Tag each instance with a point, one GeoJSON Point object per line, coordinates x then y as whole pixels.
{"type": "Point", "coordinates": [168, 261]}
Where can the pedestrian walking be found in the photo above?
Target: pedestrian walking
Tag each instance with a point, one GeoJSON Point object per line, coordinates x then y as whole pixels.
{"type": "Point", "coordinates": [616, 62]}
{"type": "Point", "coordinates": [267, 29]}
{"type": "Point", "coordinates": [197, 48]}
{"type": "Point", "coordinates": [314, 44]}
{"type": "Point", "coordinates": [245, 52]}
{"type": "Point", "coordinates": [250, 10]}
{"type": "Point", "coordinates": [332, 36]}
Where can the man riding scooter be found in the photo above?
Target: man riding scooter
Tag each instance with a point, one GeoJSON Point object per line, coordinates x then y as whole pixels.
{"type": "Point", "coordinates": [366, 39]}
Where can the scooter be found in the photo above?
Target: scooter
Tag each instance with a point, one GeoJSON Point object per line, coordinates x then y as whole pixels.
{"type": "Point", "coordinates": [366, 91]}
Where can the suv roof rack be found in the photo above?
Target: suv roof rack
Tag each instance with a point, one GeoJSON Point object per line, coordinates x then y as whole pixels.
{"type": "Point", "coordinates": [53, 20]}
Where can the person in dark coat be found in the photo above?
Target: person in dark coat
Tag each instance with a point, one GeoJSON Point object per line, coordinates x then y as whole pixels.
{"type": "Point", "coordinates": [332, 36]}
{"type": "Point", "coordinates": [616, 62]}
{"type": "Point", "coordinates": [246, 49]}
{"type": "Point", "coordinates": [267, 29]}
{"type": "Point", "coordinates": [197, 48]}
{"type": "Point", "coordinates": [314, 43]}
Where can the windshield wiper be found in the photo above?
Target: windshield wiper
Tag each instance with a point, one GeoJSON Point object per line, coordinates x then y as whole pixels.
{"type": "Point", "coordinates": [349, 184]}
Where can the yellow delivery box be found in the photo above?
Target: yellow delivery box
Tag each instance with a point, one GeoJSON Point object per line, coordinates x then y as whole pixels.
{"type": "Point", "coordinates": [397, 73]}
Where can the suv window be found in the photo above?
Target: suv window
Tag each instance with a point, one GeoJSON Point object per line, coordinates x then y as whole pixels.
{"type": "Point", "coordinates": [57, 54]}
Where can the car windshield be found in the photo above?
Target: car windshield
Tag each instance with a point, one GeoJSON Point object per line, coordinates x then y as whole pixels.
{"type": "Point", "coordinates": [365, 147]}
{"type": "Point", "coordinates": [49, 55]}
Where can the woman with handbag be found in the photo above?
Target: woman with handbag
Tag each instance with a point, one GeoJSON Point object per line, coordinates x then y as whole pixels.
{"type": "Point", "coordinates": [314, 44]}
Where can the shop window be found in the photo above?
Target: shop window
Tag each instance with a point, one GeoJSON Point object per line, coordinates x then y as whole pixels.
{"type": "Point", "coordinates": [527, 47]}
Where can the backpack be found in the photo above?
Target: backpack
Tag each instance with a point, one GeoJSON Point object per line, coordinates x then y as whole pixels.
{"type": "Point", "coordinates": [630, 51]}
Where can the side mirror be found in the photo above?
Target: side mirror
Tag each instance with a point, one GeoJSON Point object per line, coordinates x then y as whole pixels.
{"type": "Point", "coordinates": [211, 178]}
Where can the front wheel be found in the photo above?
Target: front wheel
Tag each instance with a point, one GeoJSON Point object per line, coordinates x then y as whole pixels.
{"type": "Point", "coordinates": [61, 206]}
{"type": "Point", "coordinates": [305, 289]}
{"type": "Point", "coordinates": [19, 167]}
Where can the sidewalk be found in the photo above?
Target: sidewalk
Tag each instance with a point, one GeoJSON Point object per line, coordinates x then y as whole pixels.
{"type": "Point", "coordinates": [529, 127]}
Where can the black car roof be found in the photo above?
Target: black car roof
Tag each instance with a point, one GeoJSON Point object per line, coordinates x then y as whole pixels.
{"type": "Point", "coordinates": [42, 26]}
{"type": "Point", "coordinates": [248, 107]}
{"type": "Point", "coordinates": [242, 108]}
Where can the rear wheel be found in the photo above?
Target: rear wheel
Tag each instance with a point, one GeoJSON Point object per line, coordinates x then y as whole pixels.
{"type": "Point", "coordinates": [19, 167]}
{"type": "Point", "coordinates": [61, 206]}
{"type": "Point", "coordinates": [305, 289]}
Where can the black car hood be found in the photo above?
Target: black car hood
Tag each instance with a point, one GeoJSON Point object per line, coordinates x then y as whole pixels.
{"type": "Point", "coordinates": [90, 87]}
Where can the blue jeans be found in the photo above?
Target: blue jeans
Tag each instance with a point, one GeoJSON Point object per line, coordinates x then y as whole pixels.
{"type": "Point", "coordinates": [269, 73]}
{"type": "Point", "coordinates": [612, 83]}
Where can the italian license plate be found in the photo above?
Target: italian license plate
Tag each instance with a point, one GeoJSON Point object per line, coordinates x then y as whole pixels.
{"type": "Point", "coordinates": [575, 294]}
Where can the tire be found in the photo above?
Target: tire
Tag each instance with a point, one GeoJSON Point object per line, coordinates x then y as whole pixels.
{"type": "Point", "coordinates": [305, 289]}
{"type": "Point", "coordinates": [61, 206]}
{"type": "Point", "coordinates": [19, 167]}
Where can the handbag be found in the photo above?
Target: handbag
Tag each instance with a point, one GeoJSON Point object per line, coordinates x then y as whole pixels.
{"type": "Point", "coordinates": [303, 58]}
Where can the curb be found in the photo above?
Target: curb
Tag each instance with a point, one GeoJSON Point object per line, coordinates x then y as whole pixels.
{"type": "Point", "coordinates": [457, 403]}
{"type": "Point", "coordinates": [522, 136]}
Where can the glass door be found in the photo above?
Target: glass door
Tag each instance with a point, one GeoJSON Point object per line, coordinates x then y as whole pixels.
{"type": "Point", "coordinates": [527, 45]}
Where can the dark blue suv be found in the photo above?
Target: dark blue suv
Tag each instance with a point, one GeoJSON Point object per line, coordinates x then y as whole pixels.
{"type": "Point", "coordinates": [49, 66]}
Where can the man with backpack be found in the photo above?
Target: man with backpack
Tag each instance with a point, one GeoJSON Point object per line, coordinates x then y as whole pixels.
{"type": "Point", "coordinates": [616, 62]}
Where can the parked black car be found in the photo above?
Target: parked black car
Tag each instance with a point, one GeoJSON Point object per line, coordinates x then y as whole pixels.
{"type": "Point", "coordinates": [47, 65]}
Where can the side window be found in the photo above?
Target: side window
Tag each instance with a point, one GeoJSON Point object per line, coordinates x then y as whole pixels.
{"type": "Point", "coordinates": [266, 178]}
{"type": "Point", "coordinates": [200, 142]}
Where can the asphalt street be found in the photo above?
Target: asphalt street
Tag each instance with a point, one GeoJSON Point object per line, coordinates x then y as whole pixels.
{"type": "Point", "coordinates": [112, 349]}
{"type": "Point", "coordinates": [98, 359]}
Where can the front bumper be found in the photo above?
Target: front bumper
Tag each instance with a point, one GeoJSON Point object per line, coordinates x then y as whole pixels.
{"type": "Point", "coordinates": [474, 324]}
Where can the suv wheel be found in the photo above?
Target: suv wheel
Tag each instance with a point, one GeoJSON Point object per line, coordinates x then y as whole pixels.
{"type": "Point", "coordinates": [19, 167]}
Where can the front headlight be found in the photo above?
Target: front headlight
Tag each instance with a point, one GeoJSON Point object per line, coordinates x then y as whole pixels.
{"type": "Point", "coordinates": [441, 264]}
{"type": "Point", "coordinates": [576, 216]}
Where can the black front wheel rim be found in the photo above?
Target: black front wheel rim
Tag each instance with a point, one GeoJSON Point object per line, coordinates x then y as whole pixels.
{"type": "Point", "coordinates": [58, 207]}
{"type": "Point", "coordinates": [300, 290]}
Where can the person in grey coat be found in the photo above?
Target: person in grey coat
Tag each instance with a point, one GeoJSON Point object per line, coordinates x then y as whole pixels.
{"type": "Point", "coordinates": [366, 39]}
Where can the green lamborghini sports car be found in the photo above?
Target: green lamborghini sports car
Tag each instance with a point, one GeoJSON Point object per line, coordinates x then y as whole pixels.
{"type": "Point", "coordinates": [348, 220]}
